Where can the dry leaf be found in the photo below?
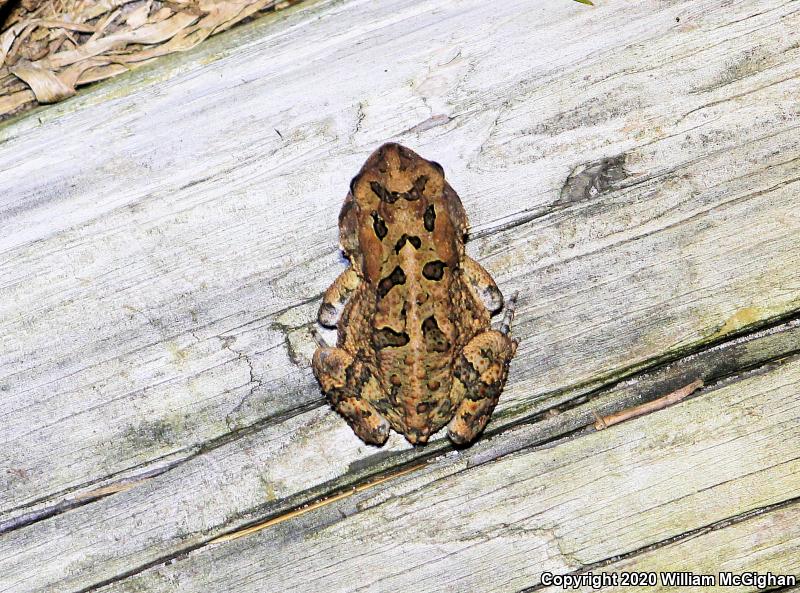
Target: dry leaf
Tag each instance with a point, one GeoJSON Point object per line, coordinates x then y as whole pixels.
{"type": "Point", "coordinates": [52, 46]}
{"type": "Point", "coordinates": [138, 16]}
{"type": "Point", "coordinates": [47, 87]}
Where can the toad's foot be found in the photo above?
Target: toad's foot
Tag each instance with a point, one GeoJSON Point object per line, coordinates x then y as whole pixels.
{"type": "Point", "coordinates": [478, 379]}
{"type": "Point", "coordinates": [349, 385]}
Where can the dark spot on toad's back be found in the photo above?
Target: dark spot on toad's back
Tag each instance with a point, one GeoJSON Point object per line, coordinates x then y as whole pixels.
{"type": "Point", "coordinates": [414, 240]}
{"type": "Point", "coordinates": [434, 270]}
{"type": "Point", "coordinates": [379, 226]}
{"type": "Point", "coordinates": [386, 337]}
{"type": "Point", "coordinates": [429, 218]}
{"type": "Point", "coordinates": [383, 193]}
{"type": "Point", "coordinates": [396, 277]}
{"type": "Point", "coordinates": [435, 339]}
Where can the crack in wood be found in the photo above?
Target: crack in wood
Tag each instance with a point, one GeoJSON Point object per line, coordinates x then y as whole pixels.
{"type": "Point", "coordinates": [27, 519]}
{"type": "Point", "coordinates": [593, 178]}
{"type": "Point", "coordinates": [83, 498]}
{"type": "Point", "coordinates": [263, 523]}
{"type": "Point", "coordinates": [733, 97]}
{"type": "Point", "coordinates": [253, 383]}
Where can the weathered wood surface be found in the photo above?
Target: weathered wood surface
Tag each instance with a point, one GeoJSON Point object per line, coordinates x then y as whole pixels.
{"type": "Point", "coordinates": [166, 238]}
{"type": "Point", "coordinates": [761, 544]}
{"type": "Point", "coordinates": [497, 526]}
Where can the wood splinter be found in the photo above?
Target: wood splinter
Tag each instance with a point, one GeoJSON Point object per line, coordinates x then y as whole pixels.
{"type": "Point", "coordinates": [642, 409]}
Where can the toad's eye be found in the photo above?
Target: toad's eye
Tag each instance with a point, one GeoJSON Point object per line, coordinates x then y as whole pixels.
{"type": "Point", "coordinates": [415, 193]}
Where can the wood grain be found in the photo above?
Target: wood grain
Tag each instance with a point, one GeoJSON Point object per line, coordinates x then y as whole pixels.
{"type": "Point", "coordinates": [763, 543]}
{"type": "Point", "coordinates": [499, 525]}
{"type": "Point", "coordinates": [166, 237]}
{"type": "Point", "coordinates": [194, 244]}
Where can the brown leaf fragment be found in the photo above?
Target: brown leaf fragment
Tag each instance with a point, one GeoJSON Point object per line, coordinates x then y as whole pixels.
{"type": "Point", "coordinates": [31, 5]}
{"type": "Point", "coordinates": [12, 102]}
{"type": "Point", "coordinates": [55, 24]}
{"type": "Point", "coordinates": [53, 46]}
{"type": "Point", "coordinates": [103, 24]}
{"type": "Point", "coordinates": [138, 16]}
{"type": "Point", "coordinates": [96, 73]}
{"type": "Point", "coordinates": [47, 87]}
{"type": "Point", "coordinates": [147, 34]}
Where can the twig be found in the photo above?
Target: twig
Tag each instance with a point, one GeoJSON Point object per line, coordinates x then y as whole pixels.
{"type": "Point", "coordinates": [657, 404]}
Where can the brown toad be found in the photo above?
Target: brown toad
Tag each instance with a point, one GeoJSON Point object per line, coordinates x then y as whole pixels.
{"type": "Point", "coordinates": [415, 348]}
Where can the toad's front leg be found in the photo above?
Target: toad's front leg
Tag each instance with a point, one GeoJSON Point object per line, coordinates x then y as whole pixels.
{"type": "Point", "coordinates": [481, 285]}
{"type": "Point", "coordinates": [336, 297]}
{"type": "Point", "coordinates": [350, 386]}
{"type": "Point", "coordinates": [478, 379]}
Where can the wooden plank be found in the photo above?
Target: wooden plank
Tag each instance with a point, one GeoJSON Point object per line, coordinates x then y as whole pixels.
{"type": "Point", "coordinates": [498, 525]}
{"type": "Point", "coordinates": [174, 230]}
{"type": "Point", "coordinates": [179, 257]}
{"type": "Point", "coordinates": [292, 464]}
{"type": "Point", "coordinates": [766, 543]}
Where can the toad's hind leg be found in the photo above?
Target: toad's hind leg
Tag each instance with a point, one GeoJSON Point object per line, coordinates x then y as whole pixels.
{"type": "Point", "coordinates": [349, 386]}
{"type": "Point", "coordinates": [478, 378]}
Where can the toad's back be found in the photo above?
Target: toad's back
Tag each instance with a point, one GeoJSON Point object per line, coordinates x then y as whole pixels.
{"type": "Point", "coordinates": [404, 226]}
